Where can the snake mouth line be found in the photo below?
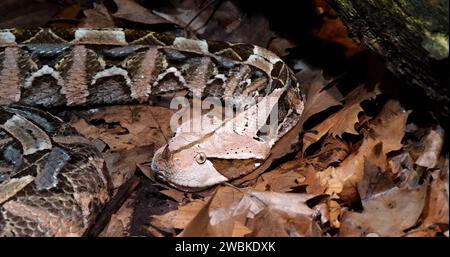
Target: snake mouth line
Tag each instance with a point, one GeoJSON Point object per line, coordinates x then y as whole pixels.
{"type": "Point", "coordinates": [179, 187]}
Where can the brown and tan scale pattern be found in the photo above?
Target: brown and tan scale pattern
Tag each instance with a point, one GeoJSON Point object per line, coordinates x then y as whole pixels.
{"type": "Point", "coordinates": [79, 64]}
{"type": "Point", "coordinates": [52, 180]}
{"type": "Point", "coordinates": [66, 209]}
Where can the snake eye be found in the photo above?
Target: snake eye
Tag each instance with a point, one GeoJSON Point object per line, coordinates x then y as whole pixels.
{"type": "Point", "coordinates": [200, 158]}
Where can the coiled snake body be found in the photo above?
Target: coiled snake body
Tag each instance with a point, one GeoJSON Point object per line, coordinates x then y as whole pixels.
{"type": "Point", "coordinates": [53, 181]}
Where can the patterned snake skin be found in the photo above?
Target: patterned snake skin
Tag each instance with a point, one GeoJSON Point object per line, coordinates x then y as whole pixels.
{"type": "Point", "coordinates": [52, 179]}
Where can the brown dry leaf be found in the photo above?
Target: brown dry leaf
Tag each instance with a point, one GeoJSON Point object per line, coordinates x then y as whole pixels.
{"type": "Point", "coordinates": [147, 171]}
{"type": "Point", "coordinates": [374, 181]}
{"type": "Point", "coordinates": [271, 222]}
{"type": "Point", "coordinates": [126, 127]}
{"type": "Point", "coordinates": [433, 143]}
{"type": "Point", "coordinates": [282, 179]}
{"type": "Point", "coordinates": [390, 124]}
{"type": "Point", "coordinates": [280, 45]}
{"type": "Point", "coordinates": [334, 213]}
{"type": "Point", "coordinates": [263, 213]}
{"type": "Point", "coordinates": [122, 164]}
{"type": "Point", "coordinates": [327, 182]}
{"type": "Point", "coordinates": [312, 183]}
{"type": "Point", "coordinates": [387, 213]}
{"type": "Point", "coordinates": [317, 97]}
{"type": "Point", "coordinates": [132, 133]}
{"type": "Point", "coordinates": [132, 11]}
{"type": "Point", "coordinates": [385, 135]}
{"type": "Point", "coordinates": [330, 212]}
{"type": "Point", "coordinates": [177, 195]}
{"type": "Point", "coordinates": [240, 230]}
{"type": "Point", "coordinates": [436, 212]}
{"type": "Point", "coordinates": [120, 221]}
{"type": "Point", "coordinates": [332, 151]}
{"type": "Point", "coordinates": [179, 218]}
{"type": "Point", "coordinates": [345, 119]}
{"type": "Point", "coordinates": [302, 171]}
{"type": "Point", "coordinates": [421, 233]}
{"type": "Point", "coordinates": [398, 162]}
{"type": "Point", "coordinates": [219, 223]}
{"type": "Point", "coordinates": [389, 209]}
{"type": "Point", "coordinates": [97, 17]}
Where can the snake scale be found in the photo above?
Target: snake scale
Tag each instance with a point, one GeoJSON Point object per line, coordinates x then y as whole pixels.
{"type": "Point", "coordinates": [53, 181]}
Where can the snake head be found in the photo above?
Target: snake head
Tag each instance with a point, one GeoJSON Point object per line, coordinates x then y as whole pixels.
{"type": "Point", "coordinates": [193, 161]}
{"type": "Point", "coordinates": [221, 150]}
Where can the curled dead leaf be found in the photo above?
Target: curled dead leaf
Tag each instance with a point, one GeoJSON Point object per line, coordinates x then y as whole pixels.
{"type": "Point", "coordinates": [388, 213]}
{"type": "Point", "coordinates": [345, 119]}
{"type": "Point", "coordinates": [436, 214]}
{"type": "Point", "coordinates": [385, 135]}
{"type": "Point", "coordinates": [262, 213]}
{"type": "Point", "coordinates": [433, 143]}
{"type": "Point", "coordinates": [318, 98]}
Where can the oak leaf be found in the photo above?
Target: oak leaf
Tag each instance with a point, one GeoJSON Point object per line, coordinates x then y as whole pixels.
{"type": "Point", "coordinates": [385, 135]}
{"type": "Point", "coordinates": [344, 120]}
{"type": "Point", "coordinates": [318, 97]}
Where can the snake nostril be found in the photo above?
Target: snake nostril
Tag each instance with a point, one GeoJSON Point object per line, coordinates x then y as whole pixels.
{"type": "Point", "coordinates": [200, 158]}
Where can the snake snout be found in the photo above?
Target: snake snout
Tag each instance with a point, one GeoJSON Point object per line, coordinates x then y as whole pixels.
{"type": "Point", "coordinates": [159, 162]}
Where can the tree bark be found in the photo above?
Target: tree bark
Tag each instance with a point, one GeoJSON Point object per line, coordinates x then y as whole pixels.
{"type": "Point", "coordinates": [413, 37]}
